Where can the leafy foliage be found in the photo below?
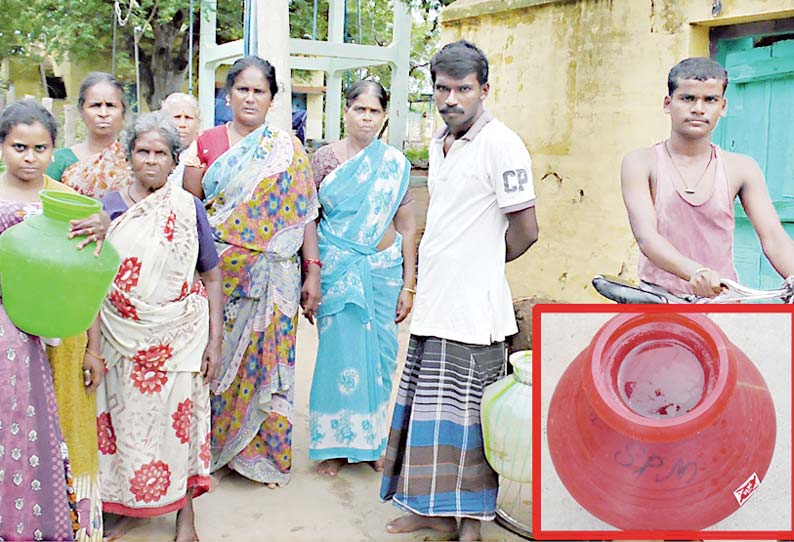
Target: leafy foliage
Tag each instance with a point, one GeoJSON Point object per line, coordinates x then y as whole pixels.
{"type": "Point", "coordinates": [17, 32]}
{"type": "Point", "coordinates": [418, 157]}
{"type": "Point", "coordinates": [82, 29]}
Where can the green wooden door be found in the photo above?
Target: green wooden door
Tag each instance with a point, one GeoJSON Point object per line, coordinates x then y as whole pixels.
{"type": "Point", "coordinates": [760, 122]}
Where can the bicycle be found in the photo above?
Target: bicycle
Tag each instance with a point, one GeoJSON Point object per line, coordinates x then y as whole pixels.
{"type": "Point", "coordinates": [624, 292]}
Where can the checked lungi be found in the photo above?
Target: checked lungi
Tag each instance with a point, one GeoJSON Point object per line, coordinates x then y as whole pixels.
{"type": "Point", "coordinates": [435, 461]}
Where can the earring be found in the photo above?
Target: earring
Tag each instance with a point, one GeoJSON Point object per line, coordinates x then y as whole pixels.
{"type": "Point", "coordinates": [228, 101]}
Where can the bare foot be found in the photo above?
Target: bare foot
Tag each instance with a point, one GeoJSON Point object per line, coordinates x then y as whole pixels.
{"type": "Point", "coordinates": [331, 467]}
{"type": "Point", "coordinates": [185, 522]}
{"type": "Point", "coordinates": [378, 464]}
{"type": "Point", "coordinates": [469, 530]}
{"type": "Point", "coordinates": [217, 476]}
{"type": "Point", "coordinates": [121, 526]}
{"type": "Point", "coordinates": [273, 485]}
{"type": "Point", "coordinates": [415, 522]}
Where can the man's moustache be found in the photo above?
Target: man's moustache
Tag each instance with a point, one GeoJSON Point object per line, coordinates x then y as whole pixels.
{"type": "Point", "coordinates": [450, 110]}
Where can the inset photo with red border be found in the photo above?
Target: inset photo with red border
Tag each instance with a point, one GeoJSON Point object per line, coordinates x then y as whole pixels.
{"type": "Point", "coordinates": [667, 422]}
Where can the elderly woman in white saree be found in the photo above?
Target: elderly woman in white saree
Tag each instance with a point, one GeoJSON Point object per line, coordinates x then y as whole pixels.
{"type": "Point", "coordinates": [159, 334]}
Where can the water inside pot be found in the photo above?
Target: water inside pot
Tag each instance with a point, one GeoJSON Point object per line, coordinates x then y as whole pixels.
{"type": "Point", "coordinates": [663, 378]}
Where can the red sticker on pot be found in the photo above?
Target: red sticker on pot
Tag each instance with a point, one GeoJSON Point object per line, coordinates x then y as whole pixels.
{"type": "Point", "coordinates": [746, 490]}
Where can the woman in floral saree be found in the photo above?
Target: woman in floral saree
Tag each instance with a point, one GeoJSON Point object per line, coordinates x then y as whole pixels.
{"type": "Point", "coordinates": [159, 334]}
{"type": "Point", "coordinates": [367, 241]}
{"type": "Point", "coordinates": [98, 164]}
{"type": "Point", "coordinates": [262, 205]}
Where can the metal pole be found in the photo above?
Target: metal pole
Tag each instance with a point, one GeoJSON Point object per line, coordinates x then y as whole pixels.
{"type": "Point", "coordinates": [344, 39]}
{"type": "Point", "coordinates": [206, 70]}
{"type": "Point", "coordinates": [247, 28]}
{"type": "Point", "coordinates": [190, 53]}
{"type": "Point", "coordinates": [113, 61]}
{"type": "Point", "coordinates": [137, 32]}
{"type": "Point", "coordinates": [401, 40]}
{"type": "Point", "coordinates": [314, 21]}
{"type": "Point", "coordinates": [358, 11]}
{"type": "Point", "coordinates": [347, 31]}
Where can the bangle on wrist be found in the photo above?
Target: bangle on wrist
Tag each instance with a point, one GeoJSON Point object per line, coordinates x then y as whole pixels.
{"type": "Point", "coordinates": [307, 263]}
{"type": "Point", "coordinates": [94, 355]}
{"type": "Point", "coordinates": [409, 290]}
{"type": "Point", "coordinates": [698, 270]}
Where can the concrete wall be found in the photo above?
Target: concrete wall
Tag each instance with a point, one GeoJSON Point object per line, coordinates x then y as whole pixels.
{"type": "Point", "coordinates": [582, 83]}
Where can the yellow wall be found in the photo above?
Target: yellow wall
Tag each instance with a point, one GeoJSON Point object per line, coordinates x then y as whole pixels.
{"type": "Point", "coordinates": [25, 76]}
{"type": "Point", "coordinates": [582, 83]}
{"type": "Point", "coordinates": [73, 74]}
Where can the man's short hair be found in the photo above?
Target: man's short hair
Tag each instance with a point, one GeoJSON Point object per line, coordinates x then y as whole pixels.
{"type": "Point", "coordinates": [458, 60]}
{"type": "Point", "coordinates": [698, 68]}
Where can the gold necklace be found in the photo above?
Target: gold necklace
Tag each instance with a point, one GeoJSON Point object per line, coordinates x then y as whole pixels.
{"type": "Point", "coordinates": [694, 188]}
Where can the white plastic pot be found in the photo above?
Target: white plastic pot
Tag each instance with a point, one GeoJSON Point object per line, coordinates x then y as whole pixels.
{"type": "Point", "coordinates": [506, 415]}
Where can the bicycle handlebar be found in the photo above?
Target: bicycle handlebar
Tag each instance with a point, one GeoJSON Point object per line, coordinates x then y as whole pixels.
{"type": "Point", "coordinates": [738, 292]}
{"type": "Point", "coordinates": [617, 289]}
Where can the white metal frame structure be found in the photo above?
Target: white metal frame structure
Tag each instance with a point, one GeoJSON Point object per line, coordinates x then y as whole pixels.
{"type": "Point", "coordinates": [334, 57]}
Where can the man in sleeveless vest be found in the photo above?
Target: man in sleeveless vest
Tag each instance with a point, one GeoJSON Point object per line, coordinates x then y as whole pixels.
{"type": "Point", "coordinates": [679, 193]}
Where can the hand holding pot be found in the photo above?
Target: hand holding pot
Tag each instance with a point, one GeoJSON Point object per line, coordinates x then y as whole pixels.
{"type": "Point", "coordinates": [94, 227]}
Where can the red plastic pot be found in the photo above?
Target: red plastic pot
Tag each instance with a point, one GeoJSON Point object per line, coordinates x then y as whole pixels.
{"type": "Point", "coordinates": [660, 423]}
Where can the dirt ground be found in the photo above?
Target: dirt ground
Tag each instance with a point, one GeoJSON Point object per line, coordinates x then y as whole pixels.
{"type": "Point", "coordinates": [310, 507]}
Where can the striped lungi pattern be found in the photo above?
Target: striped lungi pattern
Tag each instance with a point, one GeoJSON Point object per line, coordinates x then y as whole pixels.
{"type": "Point", "coordinates": [435, 461]}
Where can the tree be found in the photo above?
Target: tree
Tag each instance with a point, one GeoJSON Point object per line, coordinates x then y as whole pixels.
{"type": "Point", "coordinates": [81, 29]}
{"type": "Point", "coordinates": [78, 29]}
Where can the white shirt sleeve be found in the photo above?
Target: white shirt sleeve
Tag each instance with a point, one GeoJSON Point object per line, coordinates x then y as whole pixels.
{"type": "Point", "coordinates": [510, 169]}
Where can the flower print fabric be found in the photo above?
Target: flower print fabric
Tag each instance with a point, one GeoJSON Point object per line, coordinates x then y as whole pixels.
{"type": "Point", "coordinates": [104, 172]}
{"type": "Point", "coordinates": [261, 196]}
{"type": "Point", "coordinates": [105, 434]}
{"type": "Point", "coordinates": [153, 414]}
{"type": "Point", "coordinates": [128, 274]}
{"type": "Point", "coordinates": [357, 352]}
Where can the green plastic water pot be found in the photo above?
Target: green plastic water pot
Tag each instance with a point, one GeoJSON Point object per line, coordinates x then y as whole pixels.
{"type": "Point", "coordinates": [50, 288]}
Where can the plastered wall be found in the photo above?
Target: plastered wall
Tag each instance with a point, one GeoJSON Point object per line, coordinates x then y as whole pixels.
{"type": "Point", "coordinates": [582, 82]}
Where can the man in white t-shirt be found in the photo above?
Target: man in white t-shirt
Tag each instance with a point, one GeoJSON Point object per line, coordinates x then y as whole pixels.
{"type": "Point", "coordinates": [481, 215]}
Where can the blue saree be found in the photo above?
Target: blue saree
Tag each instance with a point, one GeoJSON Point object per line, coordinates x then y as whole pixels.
{"type": "Point", "coordinates": [357, 353]}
